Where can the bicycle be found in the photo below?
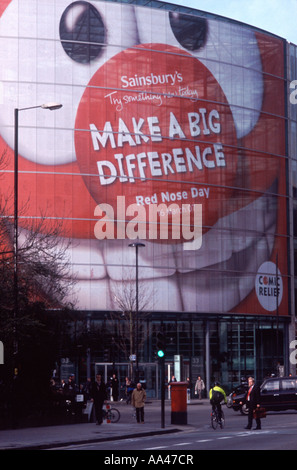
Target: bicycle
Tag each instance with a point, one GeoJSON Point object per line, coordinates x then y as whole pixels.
{"type": "Point", "coordinates": [214, 418]}
{"type": "Point", "coordinates": [111, 414]}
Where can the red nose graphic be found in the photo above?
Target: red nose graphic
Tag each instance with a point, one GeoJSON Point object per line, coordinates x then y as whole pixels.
{"type": "Point", "coordinates": [144, 130]}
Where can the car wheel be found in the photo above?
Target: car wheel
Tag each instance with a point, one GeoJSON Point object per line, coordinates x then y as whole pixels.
{"type": "Point", "coordinates": [244, 409]}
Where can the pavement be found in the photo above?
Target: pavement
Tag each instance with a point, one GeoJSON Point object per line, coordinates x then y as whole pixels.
{"type": "Point", "coordinates": [46, 437]}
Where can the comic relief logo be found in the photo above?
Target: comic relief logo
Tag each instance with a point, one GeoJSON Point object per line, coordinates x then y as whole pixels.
{"type": "Point", "coordinates": [269, 286]}
{"type": "Point", "coordinates": [156, 144]}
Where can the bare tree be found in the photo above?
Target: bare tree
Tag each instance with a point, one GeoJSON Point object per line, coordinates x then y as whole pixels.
{"type": "Point", "coordinates": [34, 277]}
{"type": "Point", "coordinates": [43, 260]}
{"type": "Point", "coordinates": [43, 267]}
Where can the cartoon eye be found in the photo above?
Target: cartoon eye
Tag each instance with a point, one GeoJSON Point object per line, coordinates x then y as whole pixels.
{"type": "Point", "coordinates": [190, 31]}
{"type": "Point", "coordinates": [202, 38]}
{"type": "Point", "coordinates": [56, 66]}
{"type": "Point", "coordinates": [82, 32]}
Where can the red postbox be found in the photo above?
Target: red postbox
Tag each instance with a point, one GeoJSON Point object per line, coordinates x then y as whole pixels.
{"type": "Point", "coordinates": [178, 392]}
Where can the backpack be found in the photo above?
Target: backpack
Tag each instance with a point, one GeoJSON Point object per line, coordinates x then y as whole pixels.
{"type": "Point", "coordinates": [217, 397]}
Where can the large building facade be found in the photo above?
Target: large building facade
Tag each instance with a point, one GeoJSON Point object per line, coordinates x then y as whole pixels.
{"type": "Point", "coordinates": [178, 130]}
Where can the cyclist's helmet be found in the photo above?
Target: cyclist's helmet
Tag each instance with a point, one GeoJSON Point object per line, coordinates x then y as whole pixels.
{"type": "Point", "coordinates": [217, 384]}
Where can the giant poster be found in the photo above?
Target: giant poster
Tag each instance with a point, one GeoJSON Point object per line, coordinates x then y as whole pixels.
{"type": "Point", "coordinates": [172, 132]}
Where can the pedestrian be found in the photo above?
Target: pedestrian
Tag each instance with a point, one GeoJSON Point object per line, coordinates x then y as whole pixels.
{"type": "Point", "coordinates": [98, 396]}
{"type": "Point", "coordinates": [115, 388]}
{"type": "Point", "coordinates": [70, 387]}
{"type": "Point", "coordinates": [87, 388]}
{"type": "Point", "coordinates": [69, 391]}
{"type": "Point", "coordinates": [129, 389]}
{"type": "Point", "coordinates": [252, 400]}
{"type": "Point", "coordinates": [199, 387]}
{"type": "Point", "coordinates": [138, 401]}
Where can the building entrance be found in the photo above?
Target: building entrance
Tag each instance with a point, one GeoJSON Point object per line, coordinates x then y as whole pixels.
{"type": "Point", "coordinates": [148, 376]}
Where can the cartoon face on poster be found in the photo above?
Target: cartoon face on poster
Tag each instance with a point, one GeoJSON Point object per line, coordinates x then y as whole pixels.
{"type": "Point", "coordinates": [169, 133]}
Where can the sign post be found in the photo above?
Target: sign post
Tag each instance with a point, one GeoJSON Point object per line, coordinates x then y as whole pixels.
{"type": "Point", "coordinates": [161, 356]}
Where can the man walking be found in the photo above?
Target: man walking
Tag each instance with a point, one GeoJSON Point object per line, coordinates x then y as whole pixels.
{"type": "Point", "coordinates": [199, 387]}
{"type": "Point", "coordinates": [99, 396]}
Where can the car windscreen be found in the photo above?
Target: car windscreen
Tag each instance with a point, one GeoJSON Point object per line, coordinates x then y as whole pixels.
{"type": "Point", "coordinates": [270, 386]}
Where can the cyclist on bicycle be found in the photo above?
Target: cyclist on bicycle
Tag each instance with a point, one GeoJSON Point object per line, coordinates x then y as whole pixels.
{"type": "Point", "coordinates": [216, 396]}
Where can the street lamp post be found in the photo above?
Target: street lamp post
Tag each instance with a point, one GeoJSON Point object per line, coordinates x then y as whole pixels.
{"type": "Point", "coordinates": [137, 245]}
{"type": "Point", "coordinates": [51, 107]}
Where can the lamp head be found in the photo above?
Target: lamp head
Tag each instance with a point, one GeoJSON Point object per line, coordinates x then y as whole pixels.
{"type": "Point", "coordinates": [136, 244]}
{"type": "Point", "coordinates": [51, 106]}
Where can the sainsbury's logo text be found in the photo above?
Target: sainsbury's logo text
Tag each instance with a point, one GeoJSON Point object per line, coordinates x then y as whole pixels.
{"type": "Point", "coordinates": [151, 79]}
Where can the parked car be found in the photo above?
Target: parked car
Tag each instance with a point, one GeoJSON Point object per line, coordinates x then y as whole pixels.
{"type": "Point", "coordinates": [279, 393]}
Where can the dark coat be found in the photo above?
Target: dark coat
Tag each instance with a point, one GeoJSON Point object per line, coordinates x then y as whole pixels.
{"type": "Point", "coordinates": [254, 398]}
{"type": "Point", "coordinates": [99, 393]}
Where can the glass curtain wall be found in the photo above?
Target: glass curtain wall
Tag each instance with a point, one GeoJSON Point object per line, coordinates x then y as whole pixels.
{"type": "Point", "coordinates": [236, 347]}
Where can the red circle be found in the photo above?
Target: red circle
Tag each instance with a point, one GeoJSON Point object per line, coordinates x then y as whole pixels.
{"type": "Point", "coordinates": [161, 124]}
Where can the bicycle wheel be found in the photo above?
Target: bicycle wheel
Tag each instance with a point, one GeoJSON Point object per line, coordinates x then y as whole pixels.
{"type": "Point", "coordinates": [214, 420]}
{"type": "Point", "coordinates": [114, 415]}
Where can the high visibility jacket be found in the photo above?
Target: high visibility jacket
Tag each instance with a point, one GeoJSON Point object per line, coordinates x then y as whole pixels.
{"type": "Point", "coordinates": [216, 388]}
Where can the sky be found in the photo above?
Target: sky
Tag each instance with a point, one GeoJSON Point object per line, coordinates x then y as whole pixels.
{"type": "Point", "coordinates": [276, 16]}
